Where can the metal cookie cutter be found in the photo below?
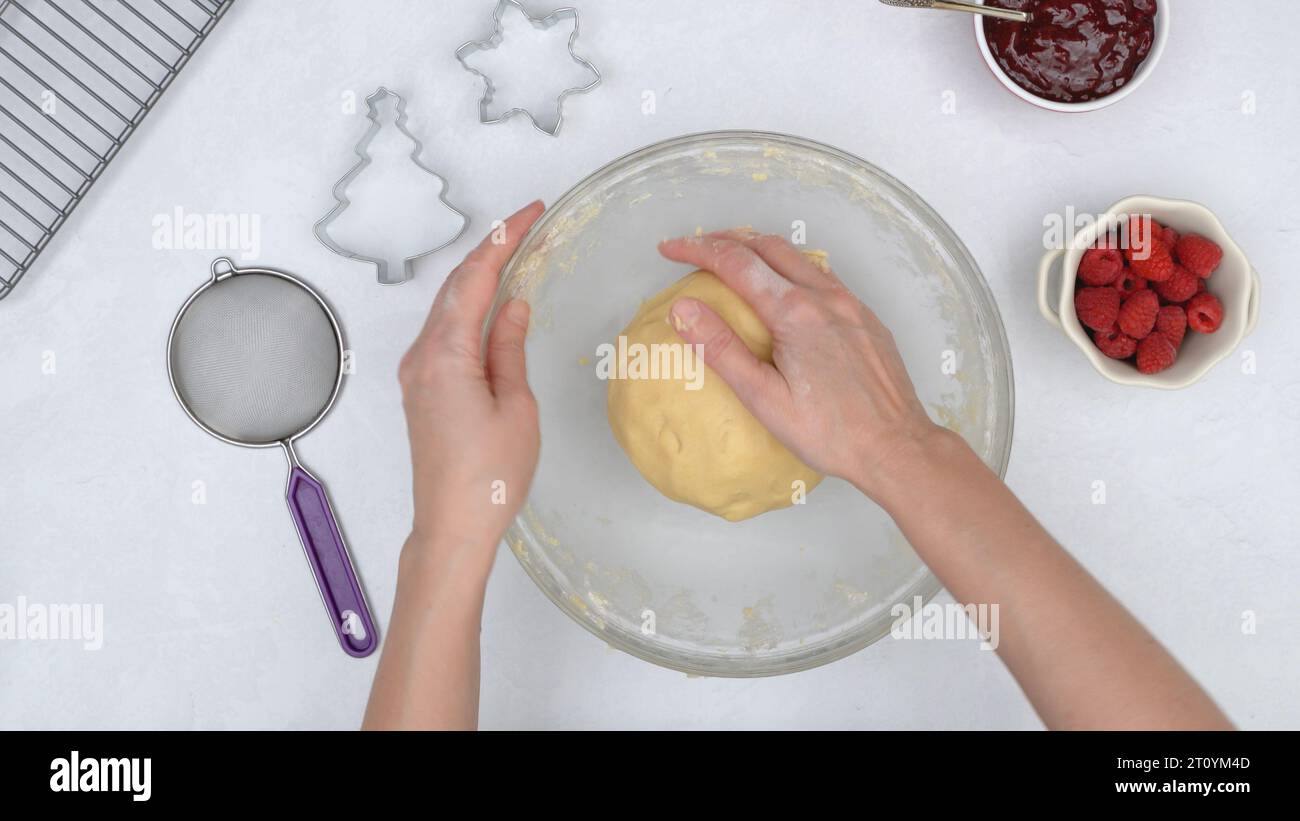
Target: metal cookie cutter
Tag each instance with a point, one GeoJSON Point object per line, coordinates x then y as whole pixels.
{"type": "Point", "coordinates": [321, 228]}
{"type": "Point", "coordinates": [476, 46]}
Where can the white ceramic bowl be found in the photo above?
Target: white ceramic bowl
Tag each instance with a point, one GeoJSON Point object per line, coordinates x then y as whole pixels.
{"type": "Point", "coordinates": [1235, 283]}
{"type": "Point", "coordinates": [1140, 76]}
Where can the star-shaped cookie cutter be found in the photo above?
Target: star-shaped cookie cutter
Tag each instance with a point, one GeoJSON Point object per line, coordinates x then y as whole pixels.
{"type": "Point", "coordinates": [475, 46]}
{"type": "Point", "coordinates": [342, 202]}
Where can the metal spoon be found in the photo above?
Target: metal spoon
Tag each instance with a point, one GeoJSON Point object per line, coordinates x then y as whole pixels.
{"type": "Point", "coordinates": [959, 5]}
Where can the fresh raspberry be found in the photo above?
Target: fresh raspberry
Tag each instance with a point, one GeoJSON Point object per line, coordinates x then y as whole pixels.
{"type": "Point", "coordinates": [1139, 228]}
{"type": "Point", "coordinates": [1169, 237]}
{"type": "Point", "coordinates": [1115, 343]}
{"type": "Point", "coordinates": [1100, 266]}
{"type": "Point", "coordinates": [1098, 308]}
{"type": "Point", "coordinates": [1180, 287]}
{"type": "Point", "coordinates": [1200, 286]}
{"type": "Point", "coordinates": [1204, 313]}
{"type": "Point", "coordinates": [1155, 353]}
{"type": "Point", "coordinates": [1171, 322]}
{"type": "Point", "coordinates": [1158, 265]}
{"type": "Point", "coordinates": [1147, 257]}
{"type": "Point", "coordinates": [1137, 316]}
{"type": "Point", "coordinates": [1198, 254]}
{"type": "Point", "coordinates": [1140, 231]}
{"type": "Point", "coordinates": [1128, 282]}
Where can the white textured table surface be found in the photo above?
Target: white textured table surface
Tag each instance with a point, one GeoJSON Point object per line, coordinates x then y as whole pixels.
{"type": "Point", "coordinates": [210, 617]}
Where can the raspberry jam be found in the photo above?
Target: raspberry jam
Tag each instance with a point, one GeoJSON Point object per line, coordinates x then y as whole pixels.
{"type": "Point", "coordinates": [1072, 51]}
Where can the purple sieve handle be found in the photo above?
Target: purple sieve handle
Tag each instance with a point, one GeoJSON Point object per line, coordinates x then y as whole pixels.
{"type": "Point", "coordinates": [328, 557]}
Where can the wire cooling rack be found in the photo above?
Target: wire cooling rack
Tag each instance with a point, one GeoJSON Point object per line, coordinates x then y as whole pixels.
{"type": "Point", "coordinates": [77, 77]}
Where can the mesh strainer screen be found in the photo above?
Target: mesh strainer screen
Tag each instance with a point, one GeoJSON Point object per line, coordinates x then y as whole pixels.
{"type": "Point", "coordinates": [255, 358]}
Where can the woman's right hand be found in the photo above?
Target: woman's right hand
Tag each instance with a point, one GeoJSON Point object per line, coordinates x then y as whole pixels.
{"type": "Point", "coordinates": [838, 394]}
{"type": "Point", "coordinates": [839, 397]}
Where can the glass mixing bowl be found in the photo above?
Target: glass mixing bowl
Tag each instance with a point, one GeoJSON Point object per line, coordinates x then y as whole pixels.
{"type": "Point", "coordinates": [793, 588]}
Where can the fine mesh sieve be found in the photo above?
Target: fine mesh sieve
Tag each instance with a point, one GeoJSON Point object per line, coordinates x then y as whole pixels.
{"type": "Point", "coordinates": [255, 358]}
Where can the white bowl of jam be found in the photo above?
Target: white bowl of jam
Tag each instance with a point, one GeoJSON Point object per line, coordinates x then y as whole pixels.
{"type": "Point", "coordinates": [1075, 55]}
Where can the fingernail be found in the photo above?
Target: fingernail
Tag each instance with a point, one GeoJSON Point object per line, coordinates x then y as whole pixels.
{"type": "Point", "coordinates": [692, 239]}
{"type": "Point", "coordinates": [532, 204]}
{"type": "Point", "coordinates": [684, 313]}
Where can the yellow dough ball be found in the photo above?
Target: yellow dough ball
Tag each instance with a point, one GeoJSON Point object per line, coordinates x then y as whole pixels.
{"type": "Point", "coordinates": [702, 447]}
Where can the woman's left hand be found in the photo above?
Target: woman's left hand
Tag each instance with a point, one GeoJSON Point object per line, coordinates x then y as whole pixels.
{"type": "Point", "coordinates": [470, 414]}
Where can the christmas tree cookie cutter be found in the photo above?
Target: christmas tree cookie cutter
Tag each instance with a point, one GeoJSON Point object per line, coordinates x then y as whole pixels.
{"type": "Point", "coordinates": [341, 201]}
{"type": "Point", "coordinates": [498, 36]}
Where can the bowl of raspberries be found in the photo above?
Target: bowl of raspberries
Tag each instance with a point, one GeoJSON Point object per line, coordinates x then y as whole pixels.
{"type": "Point", "coordinates": [1154, 292]}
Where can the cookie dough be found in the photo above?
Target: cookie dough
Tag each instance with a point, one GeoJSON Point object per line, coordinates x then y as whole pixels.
{"type": "Point", "coordinates": [703, 447]}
